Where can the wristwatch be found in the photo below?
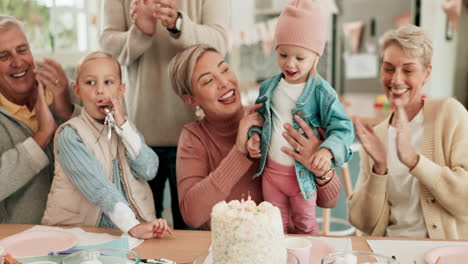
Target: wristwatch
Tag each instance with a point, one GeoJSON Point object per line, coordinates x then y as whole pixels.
{"type": "Point", "coordinates": [327, 176]}
{"type": "Point", "coordinates": [178, 25]}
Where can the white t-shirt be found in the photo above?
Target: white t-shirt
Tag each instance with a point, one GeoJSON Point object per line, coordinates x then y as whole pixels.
{"type": "Point", "coordinates": [284, 100]}
{"type": "Point", "coordinates": [406, 218]}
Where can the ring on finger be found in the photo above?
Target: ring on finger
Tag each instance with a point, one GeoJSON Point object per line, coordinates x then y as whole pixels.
{"type": "Point", "coordinates": [300, 131]}
{"type": "Point", "coordinates": [298, 149]}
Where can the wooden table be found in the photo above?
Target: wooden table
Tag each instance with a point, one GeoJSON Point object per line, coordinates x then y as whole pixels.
{"type": "Point", "coordinates": [184, 246]}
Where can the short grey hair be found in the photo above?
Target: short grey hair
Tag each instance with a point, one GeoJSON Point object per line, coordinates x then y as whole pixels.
{"type": "Point", "coordinates": [7, 22]}
{"type": "Point", "coordinates": [182, 65]}
{"type": "Point", "coordinates": [412, 39]}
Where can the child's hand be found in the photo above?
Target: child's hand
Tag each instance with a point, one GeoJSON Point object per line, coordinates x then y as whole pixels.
{"type": "Point", "coordinates": [142, 14]}
{"type": "Point", "coordinates": [321, 160]}
{"type": "Point", "coordinates": [253, 146]}
{"type": "Point", "coordinates": [155, 228]}
{"type": "Point", "coordinates": [119, 115]}
{"type": "Point", "coordinates": [161, 227]}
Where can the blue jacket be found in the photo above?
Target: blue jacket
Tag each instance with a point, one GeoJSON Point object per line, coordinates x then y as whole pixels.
{"type": "Point", "coordinates": [319, 106]}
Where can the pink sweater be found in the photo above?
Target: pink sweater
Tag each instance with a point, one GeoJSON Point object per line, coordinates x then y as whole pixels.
{"type": "Point", "coordinates": [211, 169]}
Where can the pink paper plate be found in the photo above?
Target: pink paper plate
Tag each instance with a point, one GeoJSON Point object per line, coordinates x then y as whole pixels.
{"type": "Point", "coordinates": [448, 255]}
{"type": "Point", "coordinates": [319, 250]}
{"type": "Point", "coordinates": [37, 243]}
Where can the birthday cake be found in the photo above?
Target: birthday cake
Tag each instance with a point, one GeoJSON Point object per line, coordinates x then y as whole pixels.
{"type": "Point", "coordinates": [242, 232]}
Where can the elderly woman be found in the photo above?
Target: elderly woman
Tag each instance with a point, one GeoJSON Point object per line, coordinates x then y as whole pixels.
{"type": "Point", "coordinates": [212, 157]}
{"type": "Point", "coordinates": [413, 176]}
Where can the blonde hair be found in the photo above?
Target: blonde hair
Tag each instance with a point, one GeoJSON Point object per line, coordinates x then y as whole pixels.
{"type": "Point", "coordinates": [92, 56]}
{"type": "Point", "coordinates": [182, 65]}
{"type": "Point", "coordinates": [7, 22]}
{"type": "Point", "coordinates": [412, 39]}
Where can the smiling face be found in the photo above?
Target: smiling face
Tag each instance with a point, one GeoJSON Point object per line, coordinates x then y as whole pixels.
{"type": "Point", "coordinates": [97, 82]}
{"type": "Point", "coordinates": [17, 76]}
{"type": "Point", "coordinates": [295, 62]}
{"type": "Point", "coordinates": [403, 77]}
{"type": "Point", "coordinates": [214, 87]}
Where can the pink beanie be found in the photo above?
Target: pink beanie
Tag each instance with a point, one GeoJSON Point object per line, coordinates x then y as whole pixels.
{"type": "Point", "coordinates": [302, 23]}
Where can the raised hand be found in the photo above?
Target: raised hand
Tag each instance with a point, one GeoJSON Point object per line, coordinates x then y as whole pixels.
{"type": "Point", "coordinates": [119, 115]}
{"type": "Point", "coordinates": [52, 76]}
{"type": "Point", "coordinates": [372, 145]}
{"type": "Point", "coordinates": [253, 146]}
{"type": "Point", "coordinates": [46, 122]}
{"type": "Point", "coordinates": [154, 229]}
{"type": "Point", "coordinates": [143, 16]}
{"type": "Point", "coordinates": [250, 119]}
{"type": "Point", "coordinates": [166, 12]}
{"type": "Point", "coordinates": [405, 151]}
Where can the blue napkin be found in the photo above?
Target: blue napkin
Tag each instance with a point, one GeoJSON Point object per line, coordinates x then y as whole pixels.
{"type": "Point", "coordinates": [121, 243]}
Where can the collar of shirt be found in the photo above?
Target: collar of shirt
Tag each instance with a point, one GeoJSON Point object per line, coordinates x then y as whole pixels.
{"type": "Point", "coordinates": [22, 113]}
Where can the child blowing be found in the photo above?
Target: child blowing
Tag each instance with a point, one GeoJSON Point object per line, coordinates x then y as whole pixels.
{"type": "Point", "coordinates": [102, 164]}
{"type": "Point", "coordinates": [299, 92]}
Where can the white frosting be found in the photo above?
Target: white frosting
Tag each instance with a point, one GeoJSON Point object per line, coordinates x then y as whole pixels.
{"type": "Point", "coordinates": [246, 233]}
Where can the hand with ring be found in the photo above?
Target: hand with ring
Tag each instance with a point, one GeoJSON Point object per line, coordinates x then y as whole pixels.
{"type": "Point", "coordinates": [52, 76]}
{"type": "Point", "coordinates": [305, 144]}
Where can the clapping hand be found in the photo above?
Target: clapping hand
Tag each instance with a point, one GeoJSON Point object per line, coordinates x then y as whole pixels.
{"type": "Point", "coordinates": [143, 16]}
{"type": "Point", "coordinates": [405, 151]}
{"type": "Point", "coordinates": [46, 122]}
{"type": "Point", "coordinates": [372, 145]}
{"type": "Point", "coordinates": [51, 75]}
{"type": "Point", "coordinates": [166, 12]}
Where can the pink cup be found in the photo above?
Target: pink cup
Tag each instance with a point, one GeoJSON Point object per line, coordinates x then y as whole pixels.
{"type": "Point", "coordinates": [300, 248]}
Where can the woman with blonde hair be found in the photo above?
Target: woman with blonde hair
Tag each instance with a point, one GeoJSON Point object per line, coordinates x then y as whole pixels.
{"type": "Point", "coordinates": [213, 162]}
{"type": "Point", "coordinates": [413, 174]}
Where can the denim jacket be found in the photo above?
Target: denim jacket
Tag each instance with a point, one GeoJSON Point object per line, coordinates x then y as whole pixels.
{"type": "Point", "coordinates": [319, 106]}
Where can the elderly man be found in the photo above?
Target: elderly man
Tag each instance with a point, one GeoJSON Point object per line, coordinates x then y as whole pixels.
{"type": "Point", "coordinates": [27, 124]}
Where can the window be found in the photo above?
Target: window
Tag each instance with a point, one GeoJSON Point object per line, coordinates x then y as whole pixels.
{"type": "Point", "coordinates": [63, 26]}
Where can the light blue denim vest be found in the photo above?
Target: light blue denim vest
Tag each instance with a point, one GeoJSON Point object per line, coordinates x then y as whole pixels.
{"type": "Point", "coordinates": [319, 106]}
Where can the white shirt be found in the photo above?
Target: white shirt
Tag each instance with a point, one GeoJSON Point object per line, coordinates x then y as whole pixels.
{"type": "Point", "coordinates": [283, 101]}
{"type": "Point", "coordinates": [406, 218]}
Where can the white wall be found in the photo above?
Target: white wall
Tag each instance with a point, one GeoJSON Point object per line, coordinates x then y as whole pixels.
{"type": "Point", "coordinates": [433, 20]}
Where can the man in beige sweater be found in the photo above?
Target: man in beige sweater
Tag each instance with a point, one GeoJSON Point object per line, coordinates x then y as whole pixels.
{"type": "Point", "coordinates": [144, 36]}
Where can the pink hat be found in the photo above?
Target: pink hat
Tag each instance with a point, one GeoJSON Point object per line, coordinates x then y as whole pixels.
{"type": "Point", "coordinates": [302, 23]}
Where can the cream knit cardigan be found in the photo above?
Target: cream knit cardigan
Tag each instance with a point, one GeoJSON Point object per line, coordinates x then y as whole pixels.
{"type": "Point", "coordinates": [441, 171]}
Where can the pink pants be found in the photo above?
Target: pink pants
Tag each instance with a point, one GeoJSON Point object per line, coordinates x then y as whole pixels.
{"type": "Point", "coordinates": [280, 187]}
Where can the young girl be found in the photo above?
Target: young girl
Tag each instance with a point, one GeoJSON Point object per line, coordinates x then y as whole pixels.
{"type": "Point", "coordinates": [102, 164]}
{"type": "Point", "coordinates": [299, 92]}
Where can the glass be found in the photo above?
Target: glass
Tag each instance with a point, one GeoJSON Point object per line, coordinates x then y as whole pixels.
{"type": "Point", "coordinates": [360, 257]}
{"type": "Point", "coordinates": [205, 258]}
{"type": "Point", "coordinates": [103, 256]}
